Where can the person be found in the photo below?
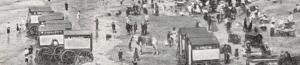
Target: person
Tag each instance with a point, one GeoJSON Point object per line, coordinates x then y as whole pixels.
{"type": "Point", "coordinates": [97, 23]}
{"type": "Point", "coordinates": [236, 54]}
{"type": "Point", "coordinates": [66, 6]}
{"type": "Point", "coordinates": [18, 28]}
{"type": "Point", "coordinates": [290, 17]}
{"type": "Point", "coordinates": [256, 30]}
{"type": "Point", "coordinates": [169, 39]}
{"type": "Point", "coordinates": [297, 9]}
{"type": "Point", "coordinates": [156, 10]}
{"type": "Point", "coordinates": [259, 38]}
{"type": "Point", "coordinates": [121, 2]}
{"type": "Point", "coordinates": [147, 18]}
{"type": "Point", "coordinates": [207, 17]}
{"type": "Point", "coordinates": [136, 54]}
{"type": "Point", "coordinates": [282, 57]}
{"type": "Point", "coordinates": [113, 25]}
{"type": "Point", "coordinates": [144, 28]}
{"type": "Point", "coordinates": [120, 54]}
{"type": "Point", "coordinates": [135, 27]}
{"type": "Point", "coordinates": [272, 30]}
{"type": "Point", "coordinates": [26, 55]}
{"type": "Point", "coordinates": [8, 28]}
{"type": "Point", "coordinates": [174, 34]}
{"type": "Point", "coordinates": [288, 56]}
{"type": "Point", "coordinates": [128, 11]}
{"type": "Point", "coordinates": [248, 48]}
{"type": "Point", "coordinates": [234, 12]}
{"type": "Point", "coordinates": [227, 58]}
{"type": "Point", "coordinates": [30, 49]}
{"type": "Point", "coordinates": [127, 26]}
{"type": "Point", "coordinates": [145, 10]}
{"type": "Point", "coordinates": [249, 29]}
{"type": "Point", "coordinates": [228, 25]}
{"type": "Point", "coordinates": [78, 15]}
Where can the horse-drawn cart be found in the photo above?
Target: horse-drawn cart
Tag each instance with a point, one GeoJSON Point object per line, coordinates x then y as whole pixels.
{"type": "Point", "coordinates": [32, 22]}
{"type": "Point", "coordinates": [262, 60]}
{"type": "Point", "coordinates": [255, 39]}
{"type": "Point", "coordinates": [64, 47]}
{"type": "Point", "coordinates": [286, 29]}
{"type": "Point", "coordinates": [198, 47]}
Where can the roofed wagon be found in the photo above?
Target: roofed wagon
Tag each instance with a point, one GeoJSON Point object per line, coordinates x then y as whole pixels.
{"type": "Point", "coordinates": [32, 21]}
{"type": "Point", "coordinates": [198, 46]}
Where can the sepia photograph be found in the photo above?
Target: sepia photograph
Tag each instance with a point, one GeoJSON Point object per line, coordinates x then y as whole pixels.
{"type": "Point", "coordinates": [149, 32]}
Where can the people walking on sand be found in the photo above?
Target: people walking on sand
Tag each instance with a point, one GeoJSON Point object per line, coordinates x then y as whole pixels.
{"type": "Point", "coordinates": [144, 28]}
{"type": "Point", "coordinates": [136, 55]}
{"type": "Point", "coordinates": [236, 53]}
{"type": "Point", "coordinates": [147, 18]}
{"type": "Point", "coordinates": [120, 55]}
{"type": "Point", "coordinates": [26, 52]}
{"type": "Point", "coordinates": [8, 28]}
{"type": "Point", "coordinates": [78, 15]}
{"type": "Point", "coordinates": [66, 6]}
{"type": "Point", "coordinates": [18, 28]}
{"type": "Point", "coordinates": [135, 27]}
{"type": "Point", "coordinates": [121, 2]}
{"type": "Point", "coordinates": [113, 25]}
{"type": "Point", "coordinates": [128, 26]}
{"type": "Point", "coordinates": [97, 23]}
{"type": "Point", "coordinates": [30, 49]}
{"type": "Point", "coordinates": [227, 58]}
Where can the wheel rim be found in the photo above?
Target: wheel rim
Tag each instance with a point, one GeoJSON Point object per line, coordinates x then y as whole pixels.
{"type": "Point", "coordinates": [88, 56]}
{"type": "Point", "coordinates": [57, 52]}
{"type": "Point", "coordinates": [68, 57]}
{"type": "Point", "coordinates": [46, 53]}
{"type": "Point", "coordinates": [33, 30]}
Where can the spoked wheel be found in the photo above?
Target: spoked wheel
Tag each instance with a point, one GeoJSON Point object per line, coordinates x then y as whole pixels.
{"type": "Point", "coordinates": [85, 56]}
{"type": "Point", "coordinates": [57, 52]}
{"type": "Point", "coordinates": [33, 30]}
{"type": "Point", "coordinates": [68, 57]}
{"type": "Point", "coordinates": [46, 53]}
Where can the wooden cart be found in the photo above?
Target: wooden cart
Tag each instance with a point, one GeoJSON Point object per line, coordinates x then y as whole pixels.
{"type": "Point", "coordinates": [198, 46]}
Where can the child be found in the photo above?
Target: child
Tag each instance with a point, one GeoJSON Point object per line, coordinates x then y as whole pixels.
{"type": "Point", "coordinates": [236, 54]}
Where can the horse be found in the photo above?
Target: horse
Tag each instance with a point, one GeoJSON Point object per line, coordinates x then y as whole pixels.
{"type": "Point", "coordinates": [139, 42]}
{"type": "Point", "coordinates": [172, 38]}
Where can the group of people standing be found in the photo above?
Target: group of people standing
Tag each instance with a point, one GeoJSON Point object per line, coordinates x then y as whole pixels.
{"type": "Point", "coordinates": [9, 28]}
{"type": "Point", "coordinates": [27, 53]}
{"type": "Point", "coordinates": [132, 28]}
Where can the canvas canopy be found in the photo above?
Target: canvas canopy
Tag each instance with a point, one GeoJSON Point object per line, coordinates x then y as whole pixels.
{"type": "Point", "coordinates": [52, 16]}
{"type": "Point", "coordinates": [53, 27]}
{"type": "Point", "coordinates": [40, 9]}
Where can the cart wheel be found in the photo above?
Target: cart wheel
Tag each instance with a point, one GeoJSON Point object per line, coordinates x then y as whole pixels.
{"type": "Point", "coordinates": [68, 57]}
{"type": "Point", "coordinates": [88, 56]}
{"type": "Point", "coordinates": [33, 30]}
{"type": "Point", "coordinates": [57, 52]}
{"type": "Point", "coordinates": [46, 53]}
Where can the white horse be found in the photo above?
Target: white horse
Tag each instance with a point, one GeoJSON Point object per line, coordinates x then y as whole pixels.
{"type": "Point", "coordinates": [140, 42]}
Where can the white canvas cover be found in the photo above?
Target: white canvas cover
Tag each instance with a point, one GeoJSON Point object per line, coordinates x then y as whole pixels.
{"type": "Point", "coordinates": [207, 54]}
{"type": "Point", "coordinates": [47, 39]}
{"type": "Point", "coordinates": [77, 43]}
{"type": "Point", "coordinates": [34, 19]}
